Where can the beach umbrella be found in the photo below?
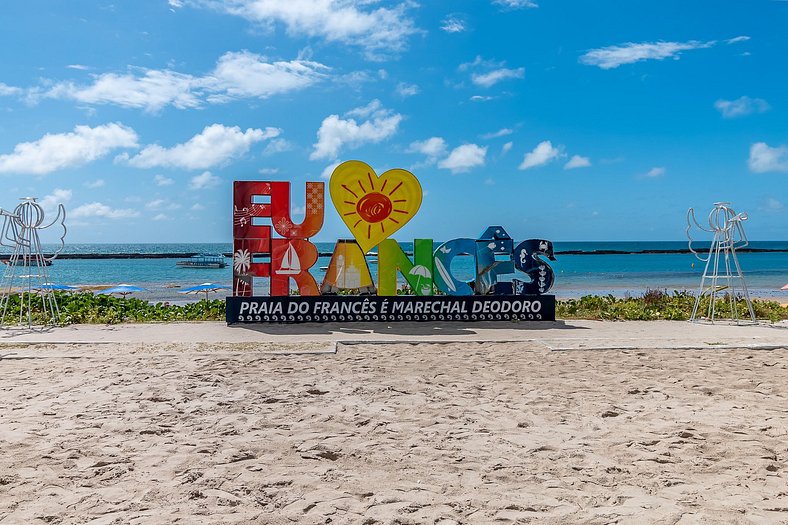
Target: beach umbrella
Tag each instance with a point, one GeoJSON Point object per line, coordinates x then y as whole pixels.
{"type": "Point", "coordinates": [56, 287]}
{"type": "Point", "coordinates": [205, 288]}
{"type": "Point", "coordinates": [122, 289]}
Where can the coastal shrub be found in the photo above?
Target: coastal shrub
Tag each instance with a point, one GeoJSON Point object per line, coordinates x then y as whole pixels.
{"type": "Point", "coordinates": [87, 308]}
{"type": "Point", "coordinates": [659, 304]}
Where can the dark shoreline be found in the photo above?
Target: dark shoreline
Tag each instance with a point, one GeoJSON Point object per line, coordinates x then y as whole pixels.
{"type": "Point", "coordinates": [186, 255]}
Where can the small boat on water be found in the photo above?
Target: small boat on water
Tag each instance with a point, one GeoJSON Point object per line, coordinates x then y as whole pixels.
{"type": "Point", "coordinates": [203, 261]}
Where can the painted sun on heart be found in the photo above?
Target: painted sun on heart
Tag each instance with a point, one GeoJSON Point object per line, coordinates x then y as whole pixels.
{"type": "Point", "coordinates": [372, 207]}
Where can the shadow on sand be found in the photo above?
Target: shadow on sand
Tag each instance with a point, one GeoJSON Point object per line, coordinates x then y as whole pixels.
{"type": "Point", "coordinates": [404, 328]}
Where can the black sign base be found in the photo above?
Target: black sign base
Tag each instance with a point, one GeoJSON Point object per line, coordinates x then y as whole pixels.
{"type": "Point", "coordinates": [358, 308]}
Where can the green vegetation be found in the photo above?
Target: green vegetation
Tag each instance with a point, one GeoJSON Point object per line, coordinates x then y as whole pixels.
{"type": "Point", "coordinates": [87, 308]}
{"type": "Point", "coordinates": [658, 304]}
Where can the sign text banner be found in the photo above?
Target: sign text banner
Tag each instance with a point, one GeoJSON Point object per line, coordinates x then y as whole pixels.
{"type": "Point", "coordinates": [343, 308]}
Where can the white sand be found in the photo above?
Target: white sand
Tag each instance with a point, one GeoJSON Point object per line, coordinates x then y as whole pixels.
{"type": "Point", "coordinates": [640, 423]}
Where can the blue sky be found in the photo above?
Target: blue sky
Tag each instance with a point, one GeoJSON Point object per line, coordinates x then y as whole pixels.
{"type": "Point", "coordinates": [562, 120]}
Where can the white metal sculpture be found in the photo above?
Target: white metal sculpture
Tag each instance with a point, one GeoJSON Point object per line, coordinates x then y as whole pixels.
{"type": "Point", "coordinates": [25, 274]}
{"type": "Point", "coordinates": [722, 276]}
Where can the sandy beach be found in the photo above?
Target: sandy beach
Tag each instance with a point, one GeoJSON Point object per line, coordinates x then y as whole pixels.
{"type": "Point", "coordinates": [576, 422]}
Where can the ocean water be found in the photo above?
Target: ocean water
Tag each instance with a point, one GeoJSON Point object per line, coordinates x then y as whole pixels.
{"type": "Point", "coordinates": [619, 274]}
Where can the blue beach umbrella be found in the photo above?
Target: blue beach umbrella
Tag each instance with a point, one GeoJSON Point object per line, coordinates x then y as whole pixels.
{"type": "Point", "coordinates": [122, 289]}
{"type": "Point", "coordinates": [56, 287]}
{"type": "Point", "coordinates": [205, 288]}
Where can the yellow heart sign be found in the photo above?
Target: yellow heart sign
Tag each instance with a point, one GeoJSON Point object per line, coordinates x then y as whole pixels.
{"type": "Point", "coordinates": [373, 207]}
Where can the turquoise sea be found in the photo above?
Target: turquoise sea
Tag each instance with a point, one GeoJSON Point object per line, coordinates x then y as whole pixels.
{"type": "Point", "coordinates": [577, 274]}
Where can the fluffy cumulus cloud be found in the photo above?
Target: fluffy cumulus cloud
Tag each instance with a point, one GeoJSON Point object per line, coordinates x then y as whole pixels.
{"type": "Point", "coordinates": [741, 107]}
{"type": "Point", "coordinates": [58, 196]}
{"type": "Point", "coordinates": [516, 4]}
{"type": "Point", "coordinates": [464, 158]}
{"type": "Point", "coordinates": [247, 75]}
{"type": "Point", "coordinates": [236, 75]}
{"type": "Point", "coordinates": [377, 31]}
{"type": "Point", "coordinates": [657, 171]}
{"type": "Point", "coordinates": [98, 209]}
{"type": "Point", "coordinates": [151, 90]}
{"type": "Point", "coordinates": [433, 148]}
{"type": "Point", "coordinates": [375, 124]}
{"type": "Point", "coordinates": [204, 181]}
{"type": "Point", "coordinates": [215, 145]}
{"type": "Point", "coordinates": [577, 161]}
{"type": "Point", "coordinates": [94, 184]}
{"type": "Point", "coordinates": [614, 56]}
{"type": "Point", "coordinates": [58, 151]}
{"type": "Point", "coordinates": [764, 158]}
{"type": "Point", "coordinates": [541, 155]}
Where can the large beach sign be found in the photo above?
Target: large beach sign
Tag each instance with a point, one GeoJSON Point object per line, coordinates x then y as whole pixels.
{"type": "Point", "coordinates": [511, 280]}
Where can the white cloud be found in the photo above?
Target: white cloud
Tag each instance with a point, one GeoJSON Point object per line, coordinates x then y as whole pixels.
{"type": "Point", "coordinates": [278, 146]}
{"type": "Point", "coordinates": [197, 207]}
{"type": "Point", "coordinates": [506, 148]}
{"type": "Point", "coordinates": [97, 209]}
{"type": "Point", "coordinates": [215, 145]}
{"type": "Point", "coordinates": [161, 180]}
{"type": "Point", "coordinates": [496, 134]}
{"type": "Point", "coordinates": [268, 171]}
{"type": "Point", "coordinates": [516, 4]}
{"type": "Point", "coordinates": [6, 90]}
{"type": "Point", "coordinates": [577, 162]}
{"type": "Point", "coordinates": [335, 132]}
{"type": "Point", "coordinates": [328, 170]}
{"type": "Point", "coordinates": [161, 217]}
{"type": "Point", "coordinates": [236, 75]}
{"type": "Point", "coordinates": [67, 150]}
{"type": "Point", "coordinates": [480, 98]}
{"type": "Point", "coordinates": [764, 158]}
{"type": "Point", "coordinates": [204, 181]}
{"type": "Point", "coordinates": [737, 39]}
{"type": "Point", "coordinates": [247, 75]}
{"type": "Point", "coordinates": [741, 107]}
{"type": "Point", "coordinates": [78, 67]}
{"type": "Point", "coordinates": [487, 73]}
{"type": "Point", "coordinates": [614, 56]}
{"type": "Point", "coordinates": [773, 204]}
{"type": "Point", "coordinates": [656, 172]}
{"type": "Point", "coordinates": [433, 148]}
{"type": "Point", "coordinates": [542, 154]}
{"type": "Point", "coordinates": [58, 196]}
{"type": "Point", "coordinates": [162, 204]}
{"type": "Point", "coordinates": [151, 91]}
{"type": "Point", "coordinates": [453, 24]}
{"type": "Point", "coordinates": [377, 31]}
{"type": "Point", "coordinates": [464, 158]}
{"type": "Point", "coordinates": [93, 184]}
{"type": "Point", "coordinates": [407, 90]}
{"type": "Point", "coordinates": [491, 78]}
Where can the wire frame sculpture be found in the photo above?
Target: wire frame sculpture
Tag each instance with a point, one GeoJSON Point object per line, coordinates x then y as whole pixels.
{"type": "Point", "coordinates": [25, 274]}
{"type": "Point", "coordinates": [722, 276]}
